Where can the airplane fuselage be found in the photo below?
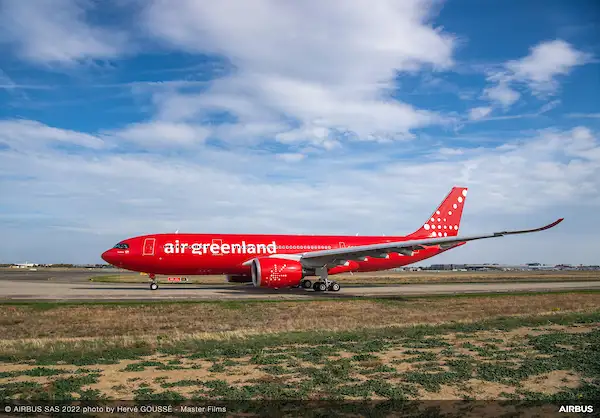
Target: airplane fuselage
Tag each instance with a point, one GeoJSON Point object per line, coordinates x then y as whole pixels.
{"type": "Point", "coordinates": [203, 254]}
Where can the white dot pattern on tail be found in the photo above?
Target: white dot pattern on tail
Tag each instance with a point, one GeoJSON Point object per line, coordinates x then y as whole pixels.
{"type": "Point", "coordinates": [442, 223]}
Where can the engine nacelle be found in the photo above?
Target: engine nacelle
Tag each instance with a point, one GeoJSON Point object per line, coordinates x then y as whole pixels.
{"type": "Point", "coordinates": [238, 278]}
{"type": "Point", "coordinates": [276, 272]}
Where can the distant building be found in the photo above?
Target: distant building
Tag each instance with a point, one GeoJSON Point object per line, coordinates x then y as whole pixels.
{"type": "Point", "coordinates": [447, 267]}
{"type": "Point", "coordinates": [24, 265]}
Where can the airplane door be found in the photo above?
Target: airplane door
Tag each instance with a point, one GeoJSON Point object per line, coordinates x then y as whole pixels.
{"type": "Point", "coordinates": [149, 246]}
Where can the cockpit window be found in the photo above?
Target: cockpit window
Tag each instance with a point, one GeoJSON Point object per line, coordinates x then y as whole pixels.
{"type": "Point", "coordinates": [121, 246]}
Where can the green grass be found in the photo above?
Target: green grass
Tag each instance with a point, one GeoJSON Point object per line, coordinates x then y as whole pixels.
{"type": "Point", "coordinates": [38, 371]}
{"type": "Point", "coordinates": [61, 389]}
{"type": "Point", "coordinates": [138, 367]}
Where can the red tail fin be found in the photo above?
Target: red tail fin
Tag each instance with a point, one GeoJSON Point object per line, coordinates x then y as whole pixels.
{"type": "Point", "coordinates": [445, 221]}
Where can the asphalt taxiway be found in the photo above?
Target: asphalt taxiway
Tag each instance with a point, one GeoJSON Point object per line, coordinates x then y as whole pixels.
{"type": "Point", "coordinates": [76, 286]}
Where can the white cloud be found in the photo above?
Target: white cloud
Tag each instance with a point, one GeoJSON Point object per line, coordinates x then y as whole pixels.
{"type": "Point", "coordinates": [539, 71]}
{"type": "Point", "coordinates": [152, 134]}
{"type": "Point", "coordinates": [291, 157]}
{"type": "Point", "coordinates": [502, 94]}
{"type": "Point", "coordinates": [545, 62]}
{"type": "Point", "coordinates": [107, 197]}
{"type": "Point", "coordinates": [316, 135]}
{"type": "Point", "coordinates": [56, 31]}
{"type": "Point", "coordinates": [450, 151]}
{"type": "Point", "coordinates": [477, 113]}
{"type": "Point", "coordinates": [28, 134]}
{"type": "Point", "coordinates": [324, 66]}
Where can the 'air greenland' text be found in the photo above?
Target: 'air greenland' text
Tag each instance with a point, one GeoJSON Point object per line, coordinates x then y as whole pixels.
{"type": "Point", "coordinates": [219, 248]}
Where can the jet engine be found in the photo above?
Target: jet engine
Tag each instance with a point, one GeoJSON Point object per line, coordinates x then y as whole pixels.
{"type": "Point", "coordinates": [238, 278]}
{"type": "Point", "coordinates": [276, 272]}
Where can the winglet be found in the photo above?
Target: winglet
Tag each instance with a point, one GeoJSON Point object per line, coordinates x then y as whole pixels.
{"type": "Point", "coordinates": [526, 231]}
{"type": "Point", "coordinates": [553, 224]}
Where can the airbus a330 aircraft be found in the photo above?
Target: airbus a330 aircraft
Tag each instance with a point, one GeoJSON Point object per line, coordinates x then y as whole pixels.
{"type": "Point", "coordinates": [279, 261]}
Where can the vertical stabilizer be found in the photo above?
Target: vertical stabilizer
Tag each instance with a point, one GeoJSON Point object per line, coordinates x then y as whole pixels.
{"type": "Point", "coordinates": [445, 220]}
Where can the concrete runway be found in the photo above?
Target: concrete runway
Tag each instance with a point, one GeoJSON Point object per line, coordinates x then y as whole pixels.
{"type": "Point", "coordinates": [75, 286]}
{"type": "Point", "coordinates": [56, 275]}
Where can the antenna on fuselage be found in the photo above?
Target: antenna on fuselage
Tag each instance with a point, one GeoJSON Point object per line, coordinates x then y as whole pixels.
{"type": "Point", "coordinates": [177, 232]}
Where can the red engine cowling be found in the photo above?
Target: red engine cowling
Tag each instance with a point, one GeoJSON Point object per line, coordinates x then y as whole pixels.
{"type": "Point", "coordinates": [238, 278]}
{"type": "Point", "coordinates": [276, 272]}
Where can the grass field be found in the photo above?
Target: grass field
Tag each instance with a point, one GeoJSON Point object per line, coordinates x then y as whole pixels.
{"type": "Point", "coordinates": [538, 346]}
{"type": "Point", "coordinates": [392, 277]}
{"type": "Point", "coordinates": [72, 320]}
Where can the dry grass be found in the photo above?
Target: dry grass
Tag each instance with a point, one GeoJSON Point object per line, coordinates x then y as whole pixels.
{"type": "Point", "coordinates": [56, 321]}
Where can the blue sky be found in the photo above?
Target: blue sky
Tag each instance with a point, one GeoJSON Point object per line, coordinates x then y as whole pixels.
{"type": "Point", "coordinates": [126, 117]}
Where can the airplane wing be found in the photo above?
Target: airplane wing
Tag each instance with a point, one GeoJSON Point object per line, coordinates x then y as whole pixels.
{"type": "Point", "coordinates": [338, 256]}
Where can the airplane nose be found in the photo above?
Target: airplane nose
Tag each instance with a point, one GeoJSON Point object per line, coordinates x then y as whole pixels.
{"type": "Point", "coordinates": [108, 256]}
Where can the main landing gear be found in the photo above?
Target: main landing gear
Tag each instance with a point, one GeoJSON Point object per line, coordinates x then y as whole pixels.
{"type": "Point", "coordinates": [323, 284]}
{"type": "Point", "coordinates": [153, 283]}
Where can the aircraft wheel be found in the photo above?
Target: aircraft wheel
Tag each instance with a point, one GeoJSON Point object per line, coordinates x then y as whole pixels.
{"type": "Point", "coordinates": [315, 287]}
{"type": "Point", "coordinates": [306, 284]}
{"type": "Point", "coordinates": [153, 286]}
{"type": "Point", "coordinates": [321, 287]}
{"type": "Point", "coordinates": [335, 287]}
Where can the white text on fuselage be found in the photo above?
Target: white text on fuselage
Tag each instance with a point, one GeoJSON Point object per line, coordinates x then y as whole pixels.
{"type": "Point", "coordinates": [219, 248]}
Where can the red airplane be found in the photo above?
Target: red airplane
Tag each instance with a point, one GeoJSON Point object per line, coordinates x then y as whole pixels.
{"type": "Point", "coordinates": [278, 261]}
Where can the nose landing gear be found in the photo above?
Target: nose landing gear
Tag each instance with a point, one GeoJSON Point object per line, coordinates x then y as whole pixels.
{"type": "Point", "coordinates": [153, 283]}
